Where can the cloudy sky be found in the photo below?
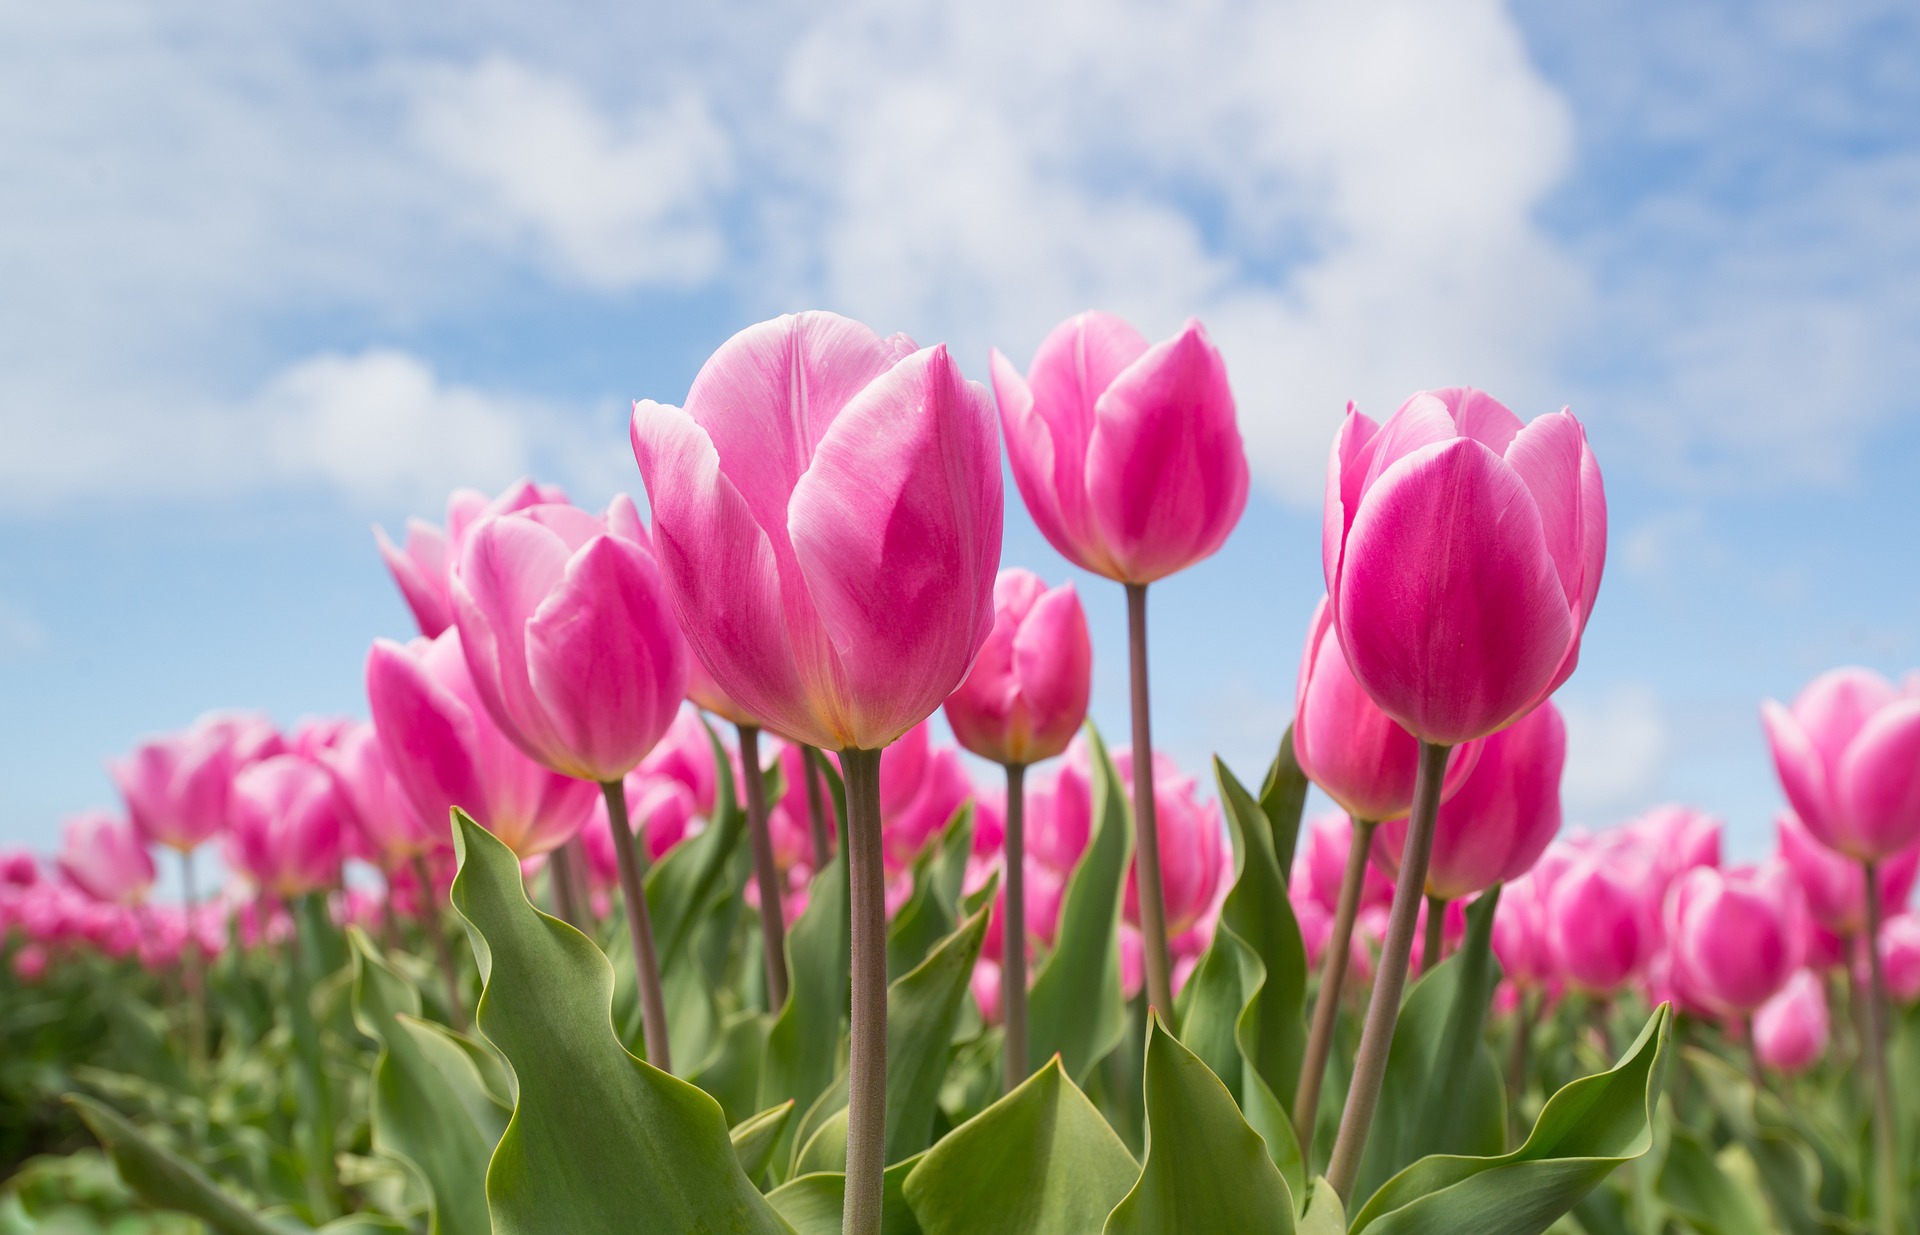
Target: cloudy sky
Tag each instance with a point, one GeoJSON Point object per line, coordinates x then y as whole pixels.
{"type": "Point", "coordinates": [269, 275]}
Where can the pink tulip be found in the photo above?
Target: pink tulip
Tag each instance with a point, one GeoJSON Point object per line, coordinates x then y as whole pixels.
{"type": "Point", "coordinates": [1826, 950]}
{"type": "Point", "coordinates": [1060, 813]}
{"type": "Point", "coordinates": [685, 754]}
{"type": "Point", "coordinates": [176, 787]}
{"type": "Point", "coordinates": [1848, 754]}
{"type": "Point", "coordinates": [424, 567]}
{"type": "Point", "coordinates": [1191, 844]}
{"type": "Point", "coordinates": [1044, 888]}
{"type": "Point", "coordinates": [1736, 936]}
{"type": "Point", "coordinates": [1128, 455]}
{"type": "Point", "coordinates": [569, 637]}
{"type": "Point", "coordinates": [445, 750]}
{"type": "Point", "coordinates": [1521, 939]}
{"type": "Point", "coordinates": [314, 735]}
{"type": "Point", "coordinates": [1028, 690]}
{"type": "Point", "coordinates": [30, 963]}
{"type": "Point", "coordinates": [389, 829]}
{"type": "Point", "coordinates": [18, 869]}
{"type": "Point", "coordinates": [1677, 838]}
{"type": "Point", "coordinates": [1900, 957]}
{"type": "Point", "coordinates": [288, 822]}
{"type": "Point", "coordinates": [106, 858]}
{"type": "Point", "coordinates": [1501, 820]}
{"type": "Point", "coordinates": [827, 513]}
{"type": "Point", "coordinates": [1322, 863]}
{"type": "Point", "coordinates": [790, 820]}
{"type": "Point", "coordinates": [1790, 1030]}
{"type": "Point", "coordinates": [911, 820]}
{"type": "Point", "coordinates": [1835, 887]}
{"type": "Point", "coordinates": [661, 811]}
{"type": "Point", "coordinates": [1598, 932]}
{"type": "Point", "coordinates": [1463, 552]}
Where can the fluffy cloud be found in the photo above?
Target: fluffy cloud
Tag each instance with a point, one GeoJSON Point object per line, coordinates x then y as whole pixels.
{"type": "Point", "coordinates": [1617, 745]}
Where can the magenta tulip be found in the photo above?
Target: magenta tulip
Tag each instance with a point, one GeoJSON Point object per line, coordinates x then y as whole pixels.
{"type": "Point", "coordinates": [1790, 1030]}
{"type": "Point", "coordinates": [176, 787]}
{"type": "Point", "coordinates": [1900, 956]}
{"type": "Point", "coordinates": [288, 823]}
{"type": "Point", "coordinates": [827, 513]}
{"type": "Point", "coordinates": [391, 829]}
{"type": "Point", "coordinates": [918, 801]}
{"type": "Point", "coordinates": [1027, 693]}
{"type": "Point", "coordinates": [106, 858]}
{"type": "Point", "coordinates": [1322, 862]}
{"type": "Point", "coordinates": [445, 750]}
{"type": "Point", "coordinates": [424, 567]}
{"type": "Point", "coordinates": [685, 754]}
{"type": "Point", "coordinates": [1520, 932]}
{"type": "Point", "coordinates": [1736, 936]}
{"type": "Point", "coordinates": [1835, 887]}
{"type": "Point", "coordinates": [1848, 754]}
{"type": "Point", "coordinates": [1463, 552]}
{"type": "Point", "coordinates": [1598, 931]}
{"type": "Point", "coordinates": [1192, 844]}
{"type": "Point", "coordinates": [663, 813]}
{"type": "Point", "coordinates": [1128, 455]}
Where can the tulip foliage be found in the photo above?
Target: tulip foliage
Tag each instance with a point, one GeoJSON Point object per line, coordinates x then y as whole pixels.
{"type": "Point", "coordinates": [649, 899]}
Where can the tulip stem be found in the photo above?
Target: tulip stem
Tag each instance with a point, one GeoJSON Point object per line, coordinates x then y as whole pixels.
{"type": "Point", "coordinates": [560, 884]}
{"type": "Point", "coordinates": [195, 974]}
{"type": "Point", "coordinates": [1878, 1078]}
{"type": "Point", "coordinates": [1013, 932]}
{"type": "Point", "coordinates": [317, 1096]}
{"type": "Point", "coordinates": [1434, 942]}
{"type": "Point", "coordinates": [646, 964]}
{"type": "Point", "coordinates": [1525, 1008]}
{"type": "Point", "coordinates": [1153, 901]}
{"type": "Point", "coordinates": [867, 1051]}
{"type": "Point", "coordinates": [816, 810]}
{"type": "Point", "coordinates": [766, 873]}
{"type": "Point", "coordinates": [1754, 1072]}
{"type": "Point", "coordinates": [1333, 976]}
{"type": "Point", "coordinates": [435, 926]}
{"type": "Point", "coordinates": [1390, 978]}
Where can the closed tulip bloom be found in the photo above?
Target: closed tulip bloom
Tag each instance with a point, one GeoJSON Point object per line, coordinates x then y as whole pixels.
{"type": "Point", "coordinates": [789, 821]}
{"type": "Point", "coordinates": [1848, 755]}
{"type": "Point", "coordinates": [663, 813]}
{"type": "Point", "coordinates": [18, 869]}
{"type": "Point", "coordinates": [827, 513]}
{"type": "Point", "coordinates": [912, 817]}
{"type": "Point", "coordinates": [1676, 838]}
{"type": "Point", "coordinates": [1463, 553]}
{"type": "Point", "coordinates": [288, 824]}
{"type": "Point", "coordinates": [1128, 455]}
{"type": "Point", "coordinates": [1900, 956]}
{"type": "Point", "coordinates": [1027, 693]}
{"type": "Point", "coordinates": [106, 858]}
{"type": "Point", "coordinates": [1345, 744]}
{"type": "Point", "coordinates": [1323, 851]}
{"type": "Point", "coordinates": [1836, 887]}
{"type": "Point", "coordinates": [1520, 932]}
{"type": "Point", "coordinates": [1191, 844]}
{"type": "Point", "coordinates": [685, 754]}
{"type": "Point", "coordinates": [423, 566]}
{"type": "Point", "coordinates": [1736, 936]}
{"type": "Point", "coordinates": [569, 637]}
{"type": "Point", "coordinates": [1598, 933]}
{"type": "Point", "coordinates": [176, 787]}
{"type": "Point", "coordinates": [1502, 819]}
{"type": "Point", "coordinates": [1790, 1030]}
{"type": "Point", "coordinates": [445, 750]}
{"type": "Point", "coordinates": [391, 831]}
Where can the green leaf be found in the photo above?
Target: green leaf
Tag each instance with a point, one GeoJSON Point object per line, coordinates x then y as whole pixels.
{"type": "Point", "coordinates": [922, 1009]}
{"type": "Point", "coordinates": [599, 1141]}
{"type": "Point", "coordinates": [731, 1072]}
{"type": "Point", "coordinates": [1076, 1008]}
{"type": "Point", "coordinates": [825, 1149]}
{"type": "Point", "coordinates": [1040, 1161]}
{"type": "Point", "coordinates": [1693, 1185]}
{"type": "Point", "coordinates": [1205, 1169]}
{"type": "Point", "coordinates": [441, 1134]}
{"type": "Point", "coordinates": [803, 1047]}
{"type": "Point", "coordinates": [755, 1136]}
{"type": "Point", "coordinates": [1283, 799]}
{"type": "Point", "coordinates": [934, 907]}
{"type": "Point", "coordinates": [1323, 1214]}
{"type": "Point", "coordinates": [167, 1181]}
{"type": "Point", "coordinates": [813, 1204]}
{"type": "Point", "coordinates": [1443, 1092]}
{"type": "Point", "coordinates": [1585, 1131]}
{"type": "Point", "coordinates": [1779, 1144]}
{"type": "Point", "coordinates": [687, 881]}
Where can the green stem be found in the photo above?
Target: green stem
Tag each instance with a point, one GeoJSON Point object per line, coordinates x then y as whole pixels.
{"type": "Point", "coordinates": [1435, 942]}
{"type": "Point", "coordinates": [432, 922]}
{"type": "Point", "coordinates": [194, 971]}
{"type": "Point", "coordinates": [766, 874]}
{"type": "Point", "coordinates": [1390, 978]}
{"type": "Point", "coordinates": [1153, 900]}
{"type": "Point", "coordinates": [560, 885]}
{"type": "Point", "coordinates": [1886, 1152]}
{"type": "Point", "coordinates": [867, 1050]}
{"type": "Point", "coordinates": [323, 1187]}
{"type": "Point", "coordinates": [646, 964]}
{"type": "Point", "coordinates": [1013, 933]}
{"type": "Point", "coordinates": [1333, 977]}
{"type": "Point", "coordinates": [816, 810]}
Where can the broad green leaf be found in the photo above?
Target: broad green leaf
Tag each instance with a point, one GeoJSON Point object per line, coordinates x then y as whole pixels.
{"type": "Point", "coordinates": [831, 1103]}
{"type": "Point", "coordinates": [922, 1009]}
{"type": "Point", "coordinates": [825, 1149]}
{"type": "Point", "coordinates": [599, 1141]}
{"type": "Point", "coordinates": [1790, 1165]}
{"type": "Point", "coordinates": [1205, 1169]}
{"type": "Point", "coordinates": [934, 907]}
{"type": "Point", "coordinates": [813, 1204]}
{"type": "Point", "coordinates": [420, 1119]}
{"type": "Point", "coordinates": [364, 1224]}
{"type": "Point", "coordinates": [1695, 1188]}
{"type": "Point", "coordinates": [731, 1072]}
{"type": "Point", "coordinates": [755, 1136]}
{"type": "Point", "coordinates": [1585, 1131]}
{"type": "Point", "coordinates": [1076, 1008]}
{"type": "Point", "coordinates": [1323, 1214]}
{"type": "Point", "coordinates": [1040, 1161]}
{"type": "Point", "coordinates": [165, 1180]}
{"type": "Point", "coordinates": [685, 883]}
{"type": "Point", "coordinates": [1443, 1092]}
{"type": "Point", "coordinates": [1283, 799]}
{"type": "Point", "coordinates": [803, 1046]}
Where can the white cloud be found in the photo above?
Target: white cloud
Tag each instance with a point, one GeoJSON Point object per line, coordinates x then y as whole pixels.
{"type": "Point", "coordinates": [612, 201]}
{"type": "Point", "coordinates": [20, 633]}
{"type": "Point", "coordinates": [1617, 745]}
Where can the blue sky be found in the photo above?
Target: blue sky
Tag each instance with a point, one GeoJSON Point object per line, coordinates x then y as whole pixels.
{"type": "Point", "coordinates": [271, 276]}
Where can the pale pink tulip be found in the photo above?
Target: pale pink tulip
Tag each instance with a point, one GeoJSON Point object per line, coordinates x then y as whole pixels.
{"type": "Point", "coordinates": [177, 787]}
{"type": "Point", "coordinates": [288, 821]}
{"type": "Point", "coordinates": [424, 567]}
{"type": "Point", "coordinates": [106, 858]}
{"type": "Point", "coordinates": [1463, 553]}
{"type": "Point", "coordinates": [1027, 693]}
{"type": "Point", "coordinates": [391, 831]}
{"type": "Point", "coordinates": [1848, 755]}
{"type": "Point", "coordinates": [1835, 887]}
{"type": "Point", "coordinates": [1900, 957]}
{"type": "Point", "coordinates": [1790, 1030]}
{"type": "Point", "coordinates": [1128, 455]}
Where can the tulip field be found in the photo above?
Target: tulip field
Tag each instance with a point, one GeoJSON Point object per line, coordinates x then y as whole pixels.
{"type": "Point", "coordinates": [650, 898]}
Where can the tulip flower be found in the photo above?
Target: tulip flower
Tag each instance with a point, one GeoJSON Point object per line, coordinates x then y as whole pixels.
{"type": "Point", "coordinates": [287, 826]}
{"type": "Point", "coordinates": [664, 814]}
{"type": "Point", "coordinates": [1520, 939]}
{"type": "Point", "coordinates": [827, 514]}
{"type": "Point", "coordinates": [1790, 1030]}
{"type": "Point", "coordinates": [1835, 887]}
{"type": "Point", "coordinates": [1130, 460]}
{"type": "Point", "coordinates": [1738, 935]}
{"type": "Point", "coordinates": [921, 786]}
{"type": "Point", "coordinates": [18, 869]}
{"type": "Point", "coordinates": [423, 568]}
{"type": "Point", "coordinates": [391, 829]}
{"type": "Point", "coordinates": [106, 858]}
{"type": "Point", "coordinates": [1598, 932]}
{"type": "Point", "coordinates": [1899, 948]}
{"type": "Point", "coordinates": [30, 963]}
{"type": "Point", "coordinates": [800, 836]}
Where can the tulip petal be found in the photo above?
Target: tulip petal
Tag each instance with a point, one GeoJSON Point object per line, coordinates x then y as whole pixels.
{"type": "Point", "coordinates": [427, 733]}
{"type": "Point", "coordinates": [1053, 663]}
{"type": "Point", "coordinates": [606, 659]}
{"type": "Point", "coordinates": [1547, 456]}
{"type": "Point", "coordinates": [509, 566]}
{"type": "Point", "coordinates": [1834, 707]}
{"type": "Point", "coordinates": [882, 540]}
{"type": "Point", "coordinates": [1346, 473]}
{"type": "Point", "coordinates": [421, 572]}
{"type": "Point", "coordinates": [1166, 474]}
{"type": "Point", "coordinates": [1481, 417]}
{"type": "Point", "coordinates": [1803, 774]}
{"type": "Point", "coordinates": [1465, 620]}
{"type": "Point", "coordinates": [1880, 782]}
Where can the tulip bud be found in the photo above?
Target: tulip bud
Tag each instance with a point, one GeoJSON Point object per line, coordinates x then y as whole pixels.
{"type": "Point", "coordinates": [287, 826]}
{"type": "Point", "coordinates": [1790, 1030]}
{"type": "Point", "coordinates": [1736, 936]}
{"type": "Point", "coordinates": [390, 830]}
{"type": "Point", "coordinates": [424, 568]}
{"type": "Point", "coordinates": [1848, 754]}
{"type": "Point", "coordinates": [1597, 929]}
{"type": "Point", "coordinates": [176, 787]}
{"type": "Point", "coordinates": [106, 858]}
{"type": "Point", "coordinates": [1900, 956]}
{"type": "Point", "coordinates": [1027, 693]}
{"type": "Point", "coordinates": [1835, 887]}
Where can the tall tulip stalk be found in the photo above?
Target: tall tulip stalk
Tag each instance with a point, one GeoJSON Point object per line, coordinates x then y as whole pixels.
{"type": "Point", "coordinates": [827, 515]}
{"type": "Point", "coordinates": [1463, 552]}
{"type": "Point", "coordinates": [1130, 461]}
